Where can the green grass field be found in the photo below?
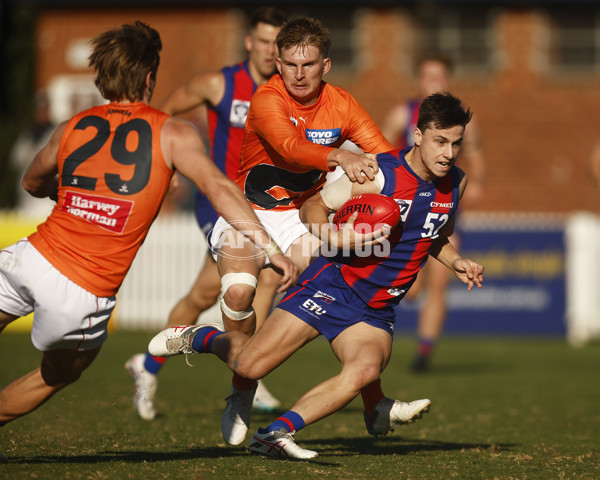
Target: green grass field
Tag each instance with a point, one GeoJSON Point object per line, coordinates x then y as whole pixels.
{"type": "Point", "coordinates": [502, 409]}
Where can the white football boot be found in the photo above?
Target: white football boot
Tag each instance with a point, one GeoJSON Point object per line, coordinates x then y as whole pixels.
{"type": "Point", "coordinates": [389, 414]}
{"type": "Point", "coordinates": [176, 340]}
{"type": "Point", "coordinates": [279, 445]}
{"type": "Point", "coordinates": [235, 420]}
{"type": "Point", "coordinates": [145, 386]}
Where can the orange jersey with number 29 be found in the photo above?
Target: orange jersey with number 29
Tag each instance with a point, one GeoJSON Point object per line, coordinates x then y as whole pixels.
{"type": "Point", "coordinates": [112, 180]}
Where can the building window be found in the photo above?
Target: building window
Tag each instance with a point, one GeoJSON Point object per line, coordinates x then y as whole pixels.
{"type": "Point", "coordinates": [340, 23]}
{"type": "Point", "coordinates": [575, 39]}
{"type": "Point", "coordinates": [466, 35]}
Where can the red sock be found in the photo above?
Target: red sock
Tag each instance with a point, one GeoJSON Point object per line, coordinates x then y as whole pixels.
{"type": "Point", "coordinates": [372, 394]}
{"type": "Point", "coordinates": [425, 347]}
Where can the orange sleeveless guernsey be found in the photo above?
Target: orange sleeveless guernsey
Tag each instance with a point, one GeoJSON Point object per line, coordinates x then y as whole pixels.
{"type": "Point", "coordinates": [112, 180]}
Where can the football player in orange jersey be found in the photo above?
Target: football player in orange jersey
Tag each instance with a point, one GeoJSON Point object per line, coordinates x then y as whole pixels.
{"type": "Point", "coordinates": [226, 94]}
{"type": "Point", "coordinates": [108, 168]}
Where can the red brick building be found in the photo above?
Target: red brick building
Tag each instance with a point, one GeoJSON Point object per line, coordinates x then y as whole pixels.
{"type": "Point", "coordinates": [530, 74]}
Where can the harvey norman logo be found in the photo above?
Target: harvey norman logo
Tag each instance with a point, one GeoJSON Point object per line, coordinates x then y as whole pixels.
{"type": "Point", "coordinates": [324, 137]}
{"type": "Point", "coordinates": [108, 213]}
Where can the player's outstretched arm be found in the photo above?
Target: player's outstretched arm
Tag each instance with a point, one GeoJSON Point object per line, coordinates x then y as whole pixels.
{"type": "Point", "coordinates": [184, 150]}
{"type": "Point", "coordinates": [467, 271]}
{"type": "Point", "coordinates": [358, 166]}
{"type": "Point", "coordinates": [207, 87]}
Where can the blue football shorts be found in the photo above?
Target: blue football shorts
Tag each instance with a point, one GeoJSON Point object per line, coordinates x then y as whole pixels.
{"type": "Point", "coordinates": [326, 302]}
{"type": "Point", "coordinates": [206, 215]}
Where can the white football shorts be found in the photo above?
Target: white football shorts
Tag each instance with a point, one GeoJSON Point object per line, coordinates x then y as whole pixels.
{"type": "Point", "coordinates": [65, 315]}
{"type": "Point", "coordinates": [285, 227]}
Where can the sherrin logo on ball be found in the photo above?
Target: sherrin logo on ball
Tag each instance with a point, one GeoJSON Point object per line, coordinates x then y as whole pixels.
{"type": "Point", "coordinates": [374, 210]}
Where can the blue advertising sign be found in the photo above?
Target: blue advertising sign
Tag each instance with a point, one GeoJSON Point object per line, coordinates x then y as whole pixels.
{"type": "Point", "coordinates": [524, 284]}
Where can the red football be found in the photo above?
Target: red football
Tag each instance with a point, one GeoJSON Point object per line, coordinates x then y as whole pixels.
{"type": "Point", "coordinates": [373, 209]}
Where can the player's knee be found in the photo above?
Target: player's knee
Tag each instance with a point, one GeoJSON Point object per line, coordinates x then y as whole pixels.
{"type": "Point", "coordinates": [365, 374]}
{"type": "Point", "coordinates": [249, 368]}
{"type": "Point", "coordinates": [238, 293]}
{"type": "Point", "coordinates": [239, 297]}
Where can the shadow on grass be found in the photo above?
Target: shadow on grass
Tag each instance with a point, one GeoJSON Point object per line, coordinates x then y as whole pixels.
{"type": "Point", "coordinates": [330, 447]}
{"type": "Point", "coordinates": [339, 446]}
{"type": "Point", "coordinates": [135, 456]}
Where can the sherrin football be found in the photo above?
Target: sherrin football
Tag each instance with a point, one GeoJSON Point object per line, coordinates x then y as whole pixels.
{"type": "Point", "coordinates": [373, 210]}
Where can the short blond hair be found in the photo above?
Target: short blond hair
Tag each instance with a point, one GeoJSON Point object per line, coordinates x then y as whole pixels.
{"type": "Point", "coordinates": [304, 32]}
{"type": "Point", "coordinates": [122, 58]}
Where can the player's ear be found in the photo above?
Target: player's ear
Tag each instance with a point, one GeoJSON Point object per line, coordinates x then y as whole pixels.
{"type": "Point", "coordinates": [418, 136]}
{"type": "Point", "coordinates": [248, 42]}
{"type": "Point", "coordinates": [326, 65]}
{"type": "Point", "coordinates": [278, 64]}
{"type": "Point", "coordinates": [150, 83]}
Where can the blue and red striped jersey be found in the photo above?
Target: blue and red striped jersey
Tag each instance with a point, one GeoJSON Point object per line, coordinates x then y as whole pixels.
{"type": "Point", "coordinates": [226, 120]}
{"type": "Point", "coordinates": [407, 138]}
{"type": "Point", "coordinates": [383, 278]}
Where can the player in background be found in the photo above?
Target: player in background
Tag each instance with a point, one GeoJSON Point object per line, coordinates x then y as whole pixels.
{"type": "Point", "coordinates": [108, 168]}
{"type": "Point", "coordinates": [295, 128]}
{"type": "Point", "coordinates": [27, 144]}
{"type": "Point", "coordinates": [226, 94]}
{"type": "Point", "coordinates": [434, 75]}
{"type": "Point", "coordinates": [349, 298]}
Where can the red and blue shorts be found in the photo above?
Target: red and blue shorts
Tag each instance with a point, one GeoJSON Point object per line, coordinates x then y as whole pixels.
{"type": "Point", "coordinates": [206, 215]}
{"type": "Point", "coordinates": [326, 302]}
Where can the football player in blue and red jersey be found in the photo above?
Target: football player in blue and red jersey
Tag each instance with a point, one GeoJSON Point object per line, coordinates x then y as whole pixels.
{"type": "Point", "coordinates": [226, 93]}
{"type": "Point", "coordinates": [434, 74]}
{"type": "Point", "coordinates": [349, 298]}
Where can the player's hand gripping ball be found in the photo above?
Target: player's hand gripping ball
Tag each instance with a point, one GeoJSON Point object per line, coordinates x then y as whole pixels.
{"type": "Point", "coordinates": [375, 211]}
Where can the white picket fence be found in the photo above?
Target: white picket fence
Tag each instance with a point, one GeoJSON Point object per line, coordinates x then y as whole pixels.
{"type": "Point", "coordinates": [170, 259]}
{"type": "Point", "coordinates": [163, 271]}
{"type": "Point", "coordinates": [582, 243]}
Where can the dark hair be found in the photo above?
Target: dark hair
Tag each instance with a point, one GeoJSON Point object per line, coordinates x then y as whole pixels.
{"type": "Point", "coordinates": [122, 58]}
{"type": "Point", "coordinates": [268, 15]}
{"type": "Point", "coordinates": [304, 32]}
{"type": "Point", "coordinates": [442, 110]}
{"type": "Point", "coordinates": [435, 57]}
